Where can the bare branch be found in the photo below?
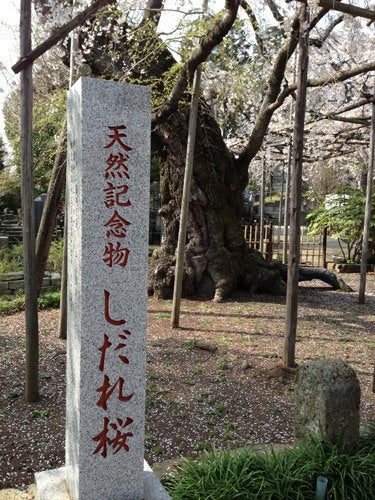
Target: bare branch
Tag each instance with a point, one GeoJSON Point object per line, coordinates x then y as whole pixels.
{"type": "Point", "coordinates": [340, 76]}
{"type": "Point", "coordinates": [331, 116]}
{"type": "Point", "coordinates": [274, 98]}
{"type": "Point", "coordinates": [358, 121]}
{"type": "Point", "coordinates": [318, 42]}
{"type": "Point", "coordinates": [275, 11]}
{"type": "Point", "coordinates": [346, 8]}
{"type": "Point", "coordinates": [254, 23]}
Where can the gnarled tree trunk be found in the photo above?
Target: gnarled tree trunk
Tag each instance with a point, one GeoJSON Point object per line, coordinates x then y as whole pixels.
{"type": "Point", "coordinates": [217, 260]}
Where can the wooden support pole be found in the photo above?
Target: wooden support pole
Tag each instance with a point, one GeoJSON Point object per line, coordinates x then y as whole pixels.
{"type": "Point", "coordinates": [367, 222]}
{"type": "Point", "coordinates": [28, 226]}
{"type": "Point", "coordinates": [189, 163]}
{"type": "Point", "coordinates": [177, 291]}
{"type": "Point", "coordinates": [296, 188]}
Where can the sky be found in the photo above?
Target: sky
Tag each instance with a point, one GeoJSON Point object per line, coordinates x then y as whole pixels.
{"type": "Point", "coordinates": [9, 49]}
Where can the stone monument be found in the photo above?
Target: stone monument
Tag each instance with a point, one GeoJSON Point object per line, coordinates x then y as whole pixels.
{"type": "Point", "coordinates": [108, 206]}
{"type": "Point", "coordinates": [327, 396]}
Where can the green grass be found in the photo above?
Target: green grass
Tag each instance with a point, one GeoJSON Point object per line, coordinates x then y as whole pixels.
{"type": "Point", "coordinates": [289, 474]}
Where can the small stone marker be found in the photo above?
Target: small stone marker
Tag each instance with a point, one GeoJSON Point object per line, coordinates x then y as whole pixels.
{"type": "Point", "coordinates": [327, 396]}
{"type": "Point", "coordinates": [108, 207]}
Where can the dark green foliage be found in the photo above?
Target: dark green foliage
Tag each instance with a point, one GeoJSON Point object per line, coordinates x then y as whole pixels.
{"type": "Point", "coordinates": [11, 259]}
{"type": "Point", "coordinates": [2, 154]}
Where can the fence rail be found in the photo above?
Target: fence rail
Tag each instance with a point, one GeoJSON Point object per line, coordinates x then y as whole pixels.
{"type": "Point", "coordinates": [312, 252]}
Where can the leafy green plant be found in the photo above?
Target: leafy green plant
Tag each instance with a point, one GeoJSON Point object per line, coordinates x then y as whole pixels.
{"type": "Point", "coordinates": [49, 299]}
{"type": "Point", "coordinates": [158, 450]}
{"type": "Point", "coordinates": [223, 364]}
{"type": "Point", "coordinates": [13, 394]}
{"type": "Point", "coordinates": [41, 413]}
{"type": "Point", "coordinates": [343, 215]}
{"type": "Point", "coordinates": [162, 314]}
{"type": "Point", "coordinates": [11, 259]}
{"type": "Point", "coordinates": [10, 304]}
{"type": "Point", "coordinates": [291, 473]}
{"type": "Point", "coordinates": [55, 256]}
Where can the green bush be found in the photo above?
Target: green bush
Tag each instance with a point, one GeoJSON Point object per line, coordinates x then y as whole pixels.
{"type": "Point", "coordinates": [289, 474]}
{"type": "Point", "coordinates": [11, 259]}
{"type": "Point", "coordinates": [10, 304]}
{"type": "Point", "coordinates": [55, 257]}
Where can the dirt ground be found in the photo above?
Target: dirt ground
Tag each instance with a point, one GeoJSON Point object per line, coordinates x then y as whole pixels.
{"type": "Point", "coordinates": [215, 381]}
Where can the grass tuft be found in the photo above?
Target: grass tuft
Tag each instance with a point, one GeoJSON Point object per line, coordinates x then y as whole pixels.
{"type": "Point", "coordinates": [291, 473]}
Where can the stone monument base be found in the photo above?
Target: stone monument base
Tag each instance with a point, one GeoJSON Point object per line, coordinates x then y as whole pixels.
{"type": "Point", "coordinates": [53, 484]}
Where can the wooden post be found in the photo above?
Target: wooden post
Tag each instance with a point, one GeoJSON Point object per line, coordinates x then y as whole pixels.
{"type": "Point", "coordinates": [178, 277]}
{"type": "Point", "coordinates": [325, 231]}
{"type": "Point", "coordinates": [28, 227]}
{"type": "Point", "coordinates": [296, 188]}
{"type": "Point", "coordinates": [177, 290]}
{"type": "Point", "coordinates": [367, 223]}
{"type": "Point", "coordinates": [262, 196]}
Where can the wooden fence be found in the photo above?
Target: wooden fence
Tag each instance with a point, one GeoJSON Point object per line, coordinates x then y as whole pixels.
{"type": "Point", "coordinates": [312, 251]}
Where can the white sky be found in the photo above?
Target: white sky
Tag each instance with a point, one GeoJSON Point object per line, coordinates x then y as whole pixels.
{"type": "Point", "coordinates": [9, 49]}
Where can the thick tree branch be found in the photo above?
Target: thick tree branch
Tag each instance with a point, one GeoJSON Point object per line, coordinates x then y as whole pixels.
{"type": "Point", "coordinates": [153, 12]}
{"type": "Point", "coordinates": [200, 54]}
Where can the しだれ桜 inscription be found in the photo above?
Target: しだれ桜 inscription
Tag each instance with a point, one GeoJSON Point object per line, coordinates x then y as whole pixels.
{"type": "Point", "coordinates": [116, 201]}
{"type": "Point", "coordinates": [118, 442]}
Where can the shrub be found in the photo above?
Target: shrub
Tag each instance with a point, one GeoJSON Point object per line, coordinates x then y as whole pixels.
{"type": "Point", "coordinates": [10, 304]}
{"type": "Point", "coordinates": [11, 259]}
